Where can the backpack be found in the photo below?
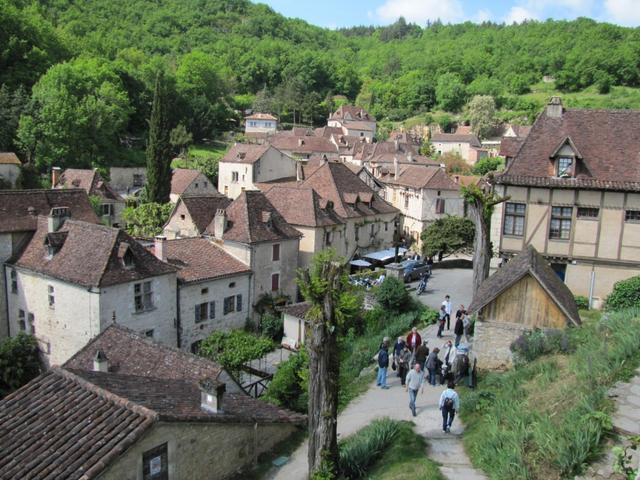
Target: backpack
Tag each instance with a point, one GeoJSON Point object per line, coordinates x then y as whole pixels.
{"type": "Point", "coordinates": [448, 403]}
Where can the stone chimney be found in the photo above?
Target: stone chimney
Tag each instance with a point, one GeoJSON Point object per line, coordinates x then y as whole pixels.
{"type": "Point", "coordinates": [56, 218]}
{"type": "Point", "coordinates": [211, 395]}
{"type": "Point", "coordinates": [219, 223]}
{"type": "Point", "coordinates": [395, 168]}
{"type": "Point", "coordinates": [55, 176]}
{"type": "Point", "coordinates": [554, 108]}
{"type": "Point", "coordinates": [160, 247]}
{"type": "Point", "coordinates": [100, 362]}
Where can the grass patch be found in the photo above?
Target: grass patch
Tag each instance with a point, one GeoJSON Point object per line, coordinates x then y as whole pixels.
{"type": "Point", "coordinates": [406, 459]}
{"type": "Point", "coordinates": [214, 150]}
{"type": "Point", "coordinates": [547, 418]}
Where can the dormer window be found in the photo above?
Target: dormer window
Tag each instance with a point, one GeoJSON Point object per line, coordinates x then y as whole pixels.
{"type": "Point", "coordinates": [565, 167]}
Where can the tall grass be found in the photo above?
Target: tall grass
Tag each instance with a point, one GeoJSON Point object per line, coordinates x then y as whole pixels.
{"type": "Point", "coordinates": [547, 418]}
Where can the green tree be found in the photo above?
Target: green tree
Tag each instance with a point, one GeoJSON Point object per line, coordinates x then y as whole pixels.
{"type": "Point", "coordinates": [393, 295]}
{"type": "Point", "coordinates": [481, 112]}
{"type": "Point", "coordinates": [233, 349]}
{"type": "Point", "coordinates": [19, 362]}
{"type": "Point", "coordinates": [454, 163]}
{"type": "Point", "coordinates": [486, 165]}
{"type": "Point", "coordinates": [12, 105]}
{"type": "Point", "coordinates": [158, 185]}
{"type": "Point", "coordinates": [447, 236]}
{"type": "Point", "coordinates": [79, 110]}
{"type": "Point", "coordinates": [180, 139]}
{"type": "Point", "coordinates": [450, 92]}
{"type": "Point", "coordinates": [147, 219]}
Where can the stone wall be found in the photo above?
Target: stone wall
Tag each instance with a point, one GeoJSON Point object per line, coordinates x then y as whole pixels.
{"type": "Point", "coordinates": [492, 341]}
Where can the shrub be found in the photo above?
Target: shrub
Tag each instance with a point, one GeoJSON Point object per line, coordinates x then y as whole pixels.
{"type": "Point", "coordinates": [429, 316]}
{"type": "Point", "coordinates": [625, 294]}
{"type": "Point", "coordinates": [272, 326]}
{"type": "Point", "coordinates": [392, 295]}
{"type": "Point", "coordinates": [531, 345]}
{"type": "Point", "coordinates": [582, 302]}
{"type": "Point", "coordinates": [363, 448]}
{"type": "Point", "coordinates": [19, 362]}
{"type": "Point", "coordinates": [290, 385]}
{"type": "Point", "coordinates": [235, 348]}
{"type": "Point", "coordinates": [486, 165]}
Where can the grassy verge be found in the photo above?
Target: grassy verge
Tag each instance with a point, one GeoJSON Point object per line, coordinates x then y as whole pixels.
{"type": "Point", "coordinates": [547, 418]}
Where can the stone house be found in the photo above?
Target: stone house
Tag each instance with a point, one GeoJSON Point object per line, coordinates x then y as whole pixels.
{"type": "Point", "coordinates": [244, 165]}
{"type": "Point", "coordinates": [468, 146]}
{"type": "Point", "coordinates": [295, 325]}
{"type": "Point", "coordinates": [523, 295]}
{"type": "Point", "coordinates": [213, 288]}
{"type": "Point", "coordinates": [254, 232]}
{"type": "Point", "coordinates": [185, 181]}
{"type": "Point", "coordinates": [357, 121]}
{"type": "Point", "coordinates": [9, 168]}
{"type": "Point", "coordinates": [423, 194]}
{"type": "Point", "coordinates": [127, 181]}
{"type": "Point", "coordinates": [19, 219]}
{"type": "Point", "coordinates": [305, 146]}
{"type": "Point", "coordinates": [126, 422]}
{"type": "Point", "coordinates": [111, 203]}
{"type": "Point", "coordinates": [72, 279]}
{"type": "Point", "coordinates": [260, 125]}
{"type": "Point", "coordinates": [192, 215]}
{"type": "Point", "coordinates": [574, 194]}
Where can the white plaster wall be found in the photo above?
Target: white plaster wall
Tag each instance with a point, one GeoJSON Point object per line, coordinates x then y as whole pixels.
{"type": "Point", "coordinates": [462, 148]}
{"type": "Point", "coordinates": [176, 227]}
{"type": "Point", "coordinates": [6, 251]}
{"type": "Point", "coordinates": [263, 267]}
{"type": "Point", "coordinates": [230, 188]}
{"type": "Point", "coordinates": [274, 165]}
{"type": "Point", "coordinates": [260, 126]}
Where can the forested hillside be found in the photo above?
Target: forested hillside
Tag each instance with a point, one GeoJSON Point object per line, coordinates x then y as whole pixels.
{"type": "Point", "coordinates": [77, 76]}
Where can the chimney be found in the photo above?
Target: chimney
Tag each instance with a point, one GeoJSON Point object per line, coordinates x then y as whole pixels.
{"type": "Point", "coordinates": [31, 211]}
{"type": "Point", "coordinates": [395, 168]}
{"type": "Point", "coordinates": [55, 176]}
{"type": "Point", "coordinates": [300, 142]}
{"type": "Point", "coordinates": [266, 217]}
{"type": "Point", "coordinates": [299, 172]}
{"type": "Point", "coordinates": [160, 247]}
{"type": "Point", "coordinates": [211, 395]}
{"type": "Point", "coordinates": [100, 362]}
{"type": "Point", "coordinates": [56, 218]}
{"type": "Point", "coordinates": [219, 223]}
{"type": "Point", "coordinates": [554, 108]}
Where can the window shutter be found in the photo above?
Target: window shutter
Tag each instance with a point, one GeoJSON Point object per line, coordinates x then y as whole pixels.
{"type": "Point", "coordinates": [197, 313]}
{"type": "Point", "coordinates": [440, 205]}
{"type": "Point", "coordinates": [239, 303]}
{"type": "Point", "coordinates": [212, 309]}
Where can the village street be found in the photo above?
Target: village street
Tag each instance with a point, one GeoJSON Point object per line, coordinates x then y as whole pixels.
{"type": "Point", "coordinates": [445, 449]}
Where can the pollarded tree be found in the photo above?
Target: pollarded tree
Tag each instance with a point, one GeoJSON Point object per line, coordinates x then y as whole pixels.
{"type": "Point", "coordinates": [159, 147]}
{"type": "Point", "coordinates": [325, 285]}
{"type": "Point", "coordinates": [447, 236]}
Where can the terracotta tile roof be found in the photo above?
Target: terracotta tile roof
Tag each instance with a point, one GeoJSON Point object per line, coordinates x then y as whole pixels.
{"type": "Point", "coordinates": [202, 208]}
{"type": "Point", "coordinates": [251, 218]}
{"type": "Point", "coordinates": [357, 125]}
{"type": "Point", "coordinates": [521, 131]}
{"type": "Point", "coordinates": [456, 138]}
{"type": "Point", "coordinates": [466, 180]}
{"type": "Point", "coordinates": [9, 158]}
{"type": "Point", "coordinates": [464, 130]}
{"type": "Point", "coordinates": [199, 259]}
{"type": "Point", "coordinates": [334, 181]}
{"type": "Point", "coordinates": [303, 144]}
{"type": "Point", "coordinates": [89, 255]}
{"type": "Point", "coordinates": [301, 206]}
{"type": "Point", "coordinates": [245, 153]}
{"type": "Point", "coordinates": [420, 176]}
{"type": "Point", "coordinates": [405, 159]}
{"type": "Point", "coordinates": [181, 178]}
{"type": "Point", "coordinates": [298, 310]}
{"type": "Point", "coordinates": [328, 131]}
{"type": "Point", "coordinates": [89, 180]}
{"type": "Point", "coordinates": [509, 146]}
{"type": "Point", "coordinates": [261, 116]}
{"type": "Point", "coordinates": [606, 139]}
{"type": "Point", "coordinates": [529, 261]}
{"type": "Point", "coordinates": [356, 113]}
{"type": "Point", "coordinates": [19, 209]}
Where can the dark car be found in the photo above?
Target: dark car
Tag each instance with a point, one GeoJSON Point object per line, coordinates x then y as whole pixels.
{"type": "Point", "coordinates": [413, 269]}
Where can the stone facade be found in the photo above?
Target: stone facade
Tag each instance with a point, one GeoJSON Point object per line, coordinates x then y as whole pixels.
{"type": "Point", "coordinates": [201, 451]}
{"type": "Point", "coordinates": [492, 342]}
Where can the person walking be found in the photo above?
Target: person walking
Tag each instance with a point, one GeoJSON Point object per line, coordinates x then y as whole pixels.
{"type": "Point", "coordinates": [404, 364]}
{"type": "Point", "coordinates": [458, 329]}
{"type": "Point", "coordinates": [449, 405]}
{"type": "Point", "coordinates": [432, 365]}
{"type": "Point", "coordinates": [422, 352]}
{"type": "Point", "coordinates": [447, 307]}
{"type": "Point", "coordinates": [383, 364]}
{"type": "Point", "coordinates": [413, 384]}
{"type": "Point", "coordinates": [442, 317]}
{"type": "Point", "coordinates": [414, 339]}
{"type": "Point", "coordinates": [466, 327]}
{"type": "Point", "coordinates": [448, 352]}
{"type": "Point", "coordinates": [397, 351]}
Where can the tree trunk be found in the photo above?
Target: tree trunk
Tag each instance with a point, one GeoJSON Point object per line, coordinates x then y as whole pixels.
{"type": "Point", "coordinates": [481, 245]}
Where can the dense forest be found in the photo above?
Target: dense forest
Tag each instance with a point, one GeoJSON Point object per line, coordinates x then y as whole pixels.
{"type": "Point", "coordinates": [77, 78]}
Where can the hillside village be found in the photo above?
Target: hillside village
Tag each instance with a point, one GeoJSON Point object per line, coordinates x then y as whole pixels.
{"type": "Point", "coordinates": [349, 289]}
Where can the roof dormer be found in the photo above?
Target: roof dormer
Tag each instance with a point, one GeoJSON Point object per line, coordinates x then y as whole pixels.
{"type": "Point", "coordinates": [565, 157]}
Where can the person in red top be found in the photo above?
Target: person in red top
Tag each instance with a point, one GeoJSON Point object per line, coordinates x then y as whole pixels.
{"type": "Point", "coordinates": [414, 340]}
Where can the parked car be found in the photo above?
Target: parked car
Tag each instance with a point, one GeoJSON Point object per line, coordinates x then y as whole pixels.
{"type": "Point", "coordinates": [413, 269]}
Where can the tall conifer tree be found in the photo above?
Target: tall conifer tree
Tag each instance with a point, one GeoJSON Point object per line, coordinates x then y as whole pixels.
{"type": "Point", "coordinates": [159, 147]}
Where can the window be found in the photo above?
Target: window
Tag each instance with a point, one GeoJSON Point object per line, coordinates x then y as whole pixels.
{"type": "Point", "coordinates": [560, 227]}
{"type": "Point", "coordinates": [52, 296]}
{"type": "Point", "coordinates": [238, 303]}
{"type": "Point", "coordinates": [232, 284]}
{"type": "Point", "coordinates": [386, 226]}
{"type": "Point", "coordinates": [588, 213]}
{"type": "Point", "coordinates": [406, 200]}
{"type": "Point", "coordinates": [439, 205]}
{"type": "Point", "coordinates": [155, 463]}
{"type": "Point", "coordinates": [234, 177]}
{"type": "Point", "coordinates": [14, 281]}
{"type": "Point", "coordinates": [204, 311]}
{"type": "Point", "coordinates": [204, 291]}
{"type": "Point", "coordinates": [229, 304]}
{"type": "Point", "coordinates": [514, 219]}
{"type": "Point", "coordinates": [138, 180]}
{"type": "Point", "coordinates": [371, 229]}
{"type": "Point", "coordinates": [22, 324]}
{"type": "Point", "coordinates": [196, 185]}
{"type": "Point", "coordinates": [275, 282]}
{"type": "Point", "coordinates": [204, 184]}
{"type": "Point", "coordinates": [327, 238]}
{"type": "Point", "coordinates": [275, 252]}
{"type": "Point", "coordinates": [182, 217]}
{"type": "Point", "coordinates": [565, 167]}
{"type": "Point", "coordinates": [143, 296]}
{"type": "Point", "coordinates": [632, 215]}
{"type": "Point", "coordinates": [106, 209]}
{"type": "Point", "coordinates": [148, 333]}
{"type": "Point", "coordinates": [32, 323]}
{"type": "Point", "coordinates": [357, 233]}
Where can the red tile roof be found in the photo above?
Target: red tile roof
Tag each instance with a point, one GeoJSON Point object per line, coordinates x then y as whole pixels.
{"type": "Point", "coordinates": [420, 176]}
{"type": "Point", "coordinates": [301, 206]}
{"type": "Point", "coordinates": [19, 209]}
{"type": "Point", "coordinates": [456, 138]}
{"type": "Point", "coordinates": [181, 178]}
{"type": "Point", "coordinates": [88, 254]}
{"type": "Point", "coordinates": [9, 158]}
{"type": "Point", "coordinates": [607, 140]}
{"type": "Point", "coordinates": [261, 116]}
{"type": "Point", "coordinates": [356, 113]}
{"type": "Point", "coordinates": [89, 180]}
{"type": "Point", "coordinates": [245, 153]}
{"type": "Point", "coordinates": [199, 259]}
{"type": "Point", "coordinates": [303, 144]}
{"type": "Point", "coordinates": [509, 146]}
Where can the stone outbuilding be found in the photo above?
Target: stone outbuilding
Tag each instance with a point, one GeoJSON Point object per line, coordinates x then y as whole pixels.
{"type": "Point", "coordinates": [523, 295]}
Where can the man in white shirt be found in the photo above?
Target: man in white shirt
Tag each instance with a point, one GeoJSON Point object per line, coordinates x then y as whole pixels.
{"type": "Point", "coordinates": [449, 404]}
{"type": "Point", "coordinates": [447, 309]}
{"type": "Point", "coordinates": [412, 384]}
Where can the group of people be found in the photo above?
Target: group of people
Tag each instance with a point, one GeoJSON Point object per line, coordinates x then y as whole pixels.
{"type": "Point", "coordinates": [462, 325]}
